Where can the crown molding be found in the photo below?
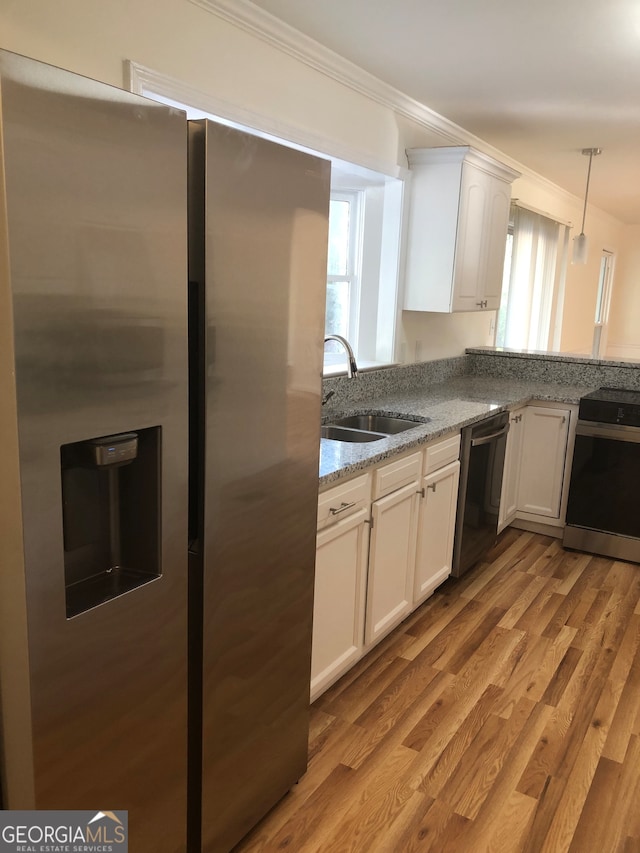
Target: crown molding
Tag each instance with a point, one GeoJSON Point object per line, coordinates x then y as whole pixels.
{"type": "Point", "coordinates": [265, 26]}
{"type": "Point", "coordinates": [261, 24]}
{"type": "Point", "coordinates": [459, 154]}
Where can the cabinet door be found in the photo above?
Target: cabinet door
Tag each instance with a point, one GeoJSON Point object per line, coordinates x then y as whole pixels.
{"type": "Point", "coordinates": [543, 460]}
{"type": "Point", "coordinates": [497, 226]}
{"type": "Point", "coordinates": [391, 561]}
{"type": "Point", "coordinates": [436, 526]}
{"type": "Point", "coordinates": [431, 236]}
{"type": "Point", "coordinates": [470, 248]}
{"type": "Point", "coordinates": [511, 474]}
{"type": "Point", "coordinates": [338, 608]}
{"type": "Point", "coordinates": [482, 240]}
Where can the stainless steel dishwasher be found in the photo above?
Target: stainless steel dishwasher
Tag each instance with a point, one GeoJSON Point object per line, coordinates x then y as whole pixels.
{"type": "Point", "coordinates": [482, 450]}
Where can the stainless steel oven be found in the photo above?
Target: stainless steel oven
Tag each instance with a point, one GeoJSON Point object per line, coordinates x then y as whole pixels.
{"type": "Point", "coordinates": [482, 449]}
{"type": "Point", "coordinates": [602, 509]}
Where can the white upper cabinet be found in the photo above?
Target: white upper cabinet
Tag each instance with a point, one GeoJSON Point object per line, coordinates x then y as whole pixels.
{"type": "Point", "coordinates": [457, 230]}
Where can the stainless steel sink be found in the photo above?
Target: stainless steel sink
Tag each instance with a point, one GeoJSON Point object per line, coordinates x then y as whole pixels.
{"type": "Point", "coordinates": [340, 433]}
{"type": "Point", "coordinates": [376, 423]}
{"type": "Point", "coordinates": [367, 427]}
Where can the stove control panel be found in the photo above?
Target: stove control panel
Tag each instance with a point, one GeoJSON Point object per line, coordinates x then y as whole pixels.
{"type": "Point", "coordinates": [611, 406]}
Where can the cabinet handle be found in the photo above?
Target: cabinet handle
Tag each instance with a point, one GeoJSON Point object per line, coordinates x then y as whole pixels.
{"type": "Point", "coordinates": [421, 492]}
{"type": "Point", "coordinates": [432, 486]}
{"type": "Point", "coordinates": [343, 506]}
{"type": "Point", "coordinates": [482, 304]}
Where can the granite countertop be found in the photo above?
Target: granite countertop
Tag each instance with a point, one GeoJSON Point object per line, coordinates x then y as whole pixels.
{"type": "Point", "coordinates": [449, 406]}
{"type": "Point", "coordinates": [546, 355]}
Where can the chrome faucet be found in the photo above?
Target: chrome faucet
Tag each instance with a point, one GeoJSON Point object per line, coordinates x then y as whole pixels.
{"type": "Point", "coordinates": [352, 367]}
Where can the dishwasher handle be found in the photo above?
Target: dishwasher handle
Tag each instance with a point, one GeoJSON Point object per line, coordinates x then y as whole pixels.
{"type": "Point", "coordinates": [487, 439]}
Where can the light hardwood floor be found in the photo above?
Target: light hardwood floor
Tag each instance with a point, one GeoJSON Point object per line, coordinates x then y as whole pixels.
{"type": "Point", "coordinates": [503, 715]}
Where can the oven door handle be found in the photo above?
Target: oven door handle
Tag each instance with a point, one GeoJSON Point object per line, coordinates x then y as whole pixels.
{"type": "Point", "coordinates": [614, 432]}
{"type": "Point", "coordinates": [487, 439]}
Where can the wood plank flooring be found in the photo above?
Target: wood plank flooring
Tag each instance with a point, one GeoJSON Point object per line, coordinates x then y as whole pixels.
{"type": "Point", "coordinates": [503, 716]}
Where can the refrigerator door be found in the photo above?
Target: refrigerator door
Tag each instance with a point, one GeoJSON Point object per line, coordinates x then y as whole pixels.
{"type": "Point", "coordinates": [260, 212]}
{"type": "Point", "coordinates": [93, 256]}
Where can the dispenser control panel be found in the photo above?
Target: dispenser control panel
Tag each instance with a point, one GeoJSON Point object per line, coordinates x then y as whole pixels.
{"type": "Point", "coordinates": [115, 449]}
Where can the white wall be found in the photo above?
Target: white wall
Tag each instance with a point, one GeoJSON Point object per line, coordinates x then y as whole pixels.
{"type": "Point", "coordinates": [624, 315]}
{"type": "Point", "coordinates": [188, 43]}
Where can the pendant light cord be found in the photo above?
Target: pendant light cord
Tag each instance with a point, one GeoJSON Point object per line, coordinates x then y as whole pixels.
{"type": "Point", "coordinates": [586, 192]}
{"type": "Point", "coordinates": [591, 152]}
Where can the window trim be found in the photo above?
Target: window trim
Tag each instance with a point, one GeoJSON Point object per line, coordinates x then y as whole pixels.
{"type": "Point", "coordinates": [354, 260]}
{"type": "Point", "coordinates": [603, 303]}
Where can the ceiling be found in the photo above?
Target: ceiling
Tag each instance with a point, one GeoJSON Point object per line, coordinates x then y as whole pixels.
{"type": "Point", "coordinates": [540, 80]}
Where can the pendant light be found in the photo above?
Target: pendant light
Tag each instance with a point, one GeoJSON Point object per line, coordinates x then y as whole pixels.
{"type": "Point", "coordinates": [580, 242]}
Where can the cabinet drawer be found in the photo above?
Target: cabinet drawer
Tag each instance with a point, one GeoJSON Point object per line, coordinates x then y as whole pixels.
{"type": "Point", "coordinates": [397, 474]}
{"type": "Point", "coordinates": [441, 453]}
{"type": "Point", "coordinates": [343, 500]}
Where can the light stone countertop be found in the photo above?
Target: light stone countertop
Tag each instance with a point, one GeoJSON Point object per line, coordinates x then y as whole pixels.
{"type": "Point", "coordinates": [545, 355]}
{"type": "Point", "coordinates": [449, 406]}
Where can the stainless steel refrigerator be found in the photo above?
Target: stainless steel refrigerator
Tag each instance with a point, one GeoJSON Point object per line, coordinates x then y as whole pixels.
{"type": "Point", "coordinates": [258, 215]}
{"type": "Point", "coordinates": [134, 671]}
{"type": "Point", "coordinates": [93, 467]}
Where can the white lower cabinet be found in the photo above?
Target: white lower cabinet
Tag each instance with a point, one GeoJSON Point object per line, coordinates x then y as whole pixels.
{"type": "Point", "coordinates": [436, 526]}
{"type": "Point", "coordinates": [537, 467]}
{"type": "Point", "coordinates": [382, 548]}
{"type": "Point", "coordinates": [542, 462]}
{"type": "Point", "coordinates": [339, 602]}
{"type": "Point", "coordinates": [511, 473]}
{"type": "Point", "coordinates": [392, 550]}
{"type": "Point", "coordinates": [391, 561]}
{"type": "Point", "coordinates": [340, 581]}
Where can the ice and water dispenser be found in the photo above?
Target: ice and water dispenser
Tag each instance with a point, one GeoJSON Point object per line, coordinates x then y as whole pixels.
{"type": "Point", "coordinates": [111, 516]}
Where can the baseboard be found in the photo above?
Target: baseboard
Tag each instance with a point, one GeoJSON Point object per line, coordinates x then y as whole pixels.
{"type": "Point", "coordinates": [538, 527]}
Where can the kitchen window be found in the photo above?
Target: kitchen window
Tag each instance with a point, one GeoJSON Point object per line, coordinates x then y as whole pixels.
{"type": "Point", "coordinates": [363, 261]}
{"type": "Point", "coordinates": [343, 273]}
{"type": "Point", "coordinates": [535, 260]}
{"type": "Point", "coordinates": [603, 300]}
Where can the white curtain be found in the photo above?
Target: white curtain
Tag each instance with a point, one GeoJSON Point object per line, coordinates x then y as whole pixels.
{"type": "Point", "coordinates": [530, 297]}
